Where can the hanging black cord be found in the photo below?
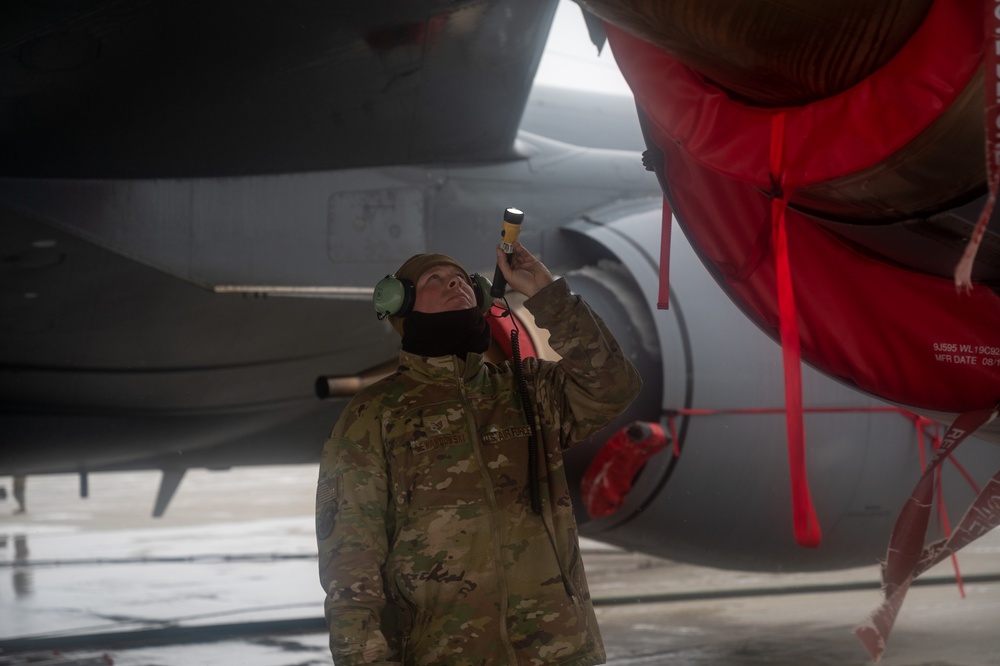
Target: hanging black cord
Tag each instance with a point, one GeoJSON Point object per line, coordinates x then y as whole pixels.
{"type": "Point", "coordinates": [534, 484]}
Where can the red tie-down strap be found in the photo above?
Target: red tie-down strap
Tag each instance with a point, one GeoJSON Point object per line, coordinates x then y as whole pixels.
{"type": "Point", "coordinates": [991, 69]}
{"type": "Point", "coordinates": [804, 520]}
{"type": "Point", "coordinates": [907, 557]}
{"type": "Point", "coordinates": [923, 423]}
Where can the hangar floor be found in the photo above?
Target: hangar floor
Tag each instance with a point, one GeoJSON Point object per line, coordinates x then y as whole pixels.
{"type": "Point", "coordinates": [229, 576]}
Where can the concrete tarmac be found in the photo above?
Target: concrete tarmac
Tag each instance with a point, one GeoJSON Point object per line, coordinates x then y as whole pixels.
{"type": "Point", "coordinates": [228, 576]}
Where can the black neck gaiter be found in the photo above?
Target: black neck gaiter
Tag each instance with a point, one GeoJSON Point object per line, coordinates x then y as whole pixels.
{"type": "Point", "coordinates": [455, 332]}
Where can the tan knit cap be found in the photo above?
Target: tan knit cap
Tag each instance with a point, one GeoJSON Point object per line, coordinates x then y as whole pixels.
{"type": "Point", "coordinates": [416, 266]}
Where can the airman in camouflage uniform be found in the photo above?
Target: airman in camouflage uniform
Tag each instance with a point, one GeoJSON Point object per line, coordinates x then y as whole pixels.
{"type": "Point", "coordinates": [429, 550]}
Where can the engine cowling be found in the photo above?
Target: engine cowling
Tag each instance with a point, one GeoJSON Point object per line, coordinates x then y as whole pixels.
{"type": "Point", "coordinates": [719, 495]}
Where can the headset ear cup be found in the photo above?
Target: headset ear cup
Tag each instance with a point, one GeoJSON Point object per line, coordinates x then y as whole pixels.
{"type": "Point", "coordinates": [393, 297]}
{"type": "Point", "coordinates": [482, 289]}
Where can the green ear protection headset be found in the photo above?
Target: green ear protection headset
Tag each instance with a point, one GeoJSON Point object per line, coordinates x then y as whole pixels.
{"type": "Point", "coordinates": [394, 297]}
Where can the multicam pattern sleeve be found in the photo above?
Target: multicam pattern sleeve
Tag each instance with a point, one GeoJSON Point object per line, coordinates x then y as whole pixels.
{"type": "Point", "coordinates": [594, 381]}
{"type": "Point", "coordinates": [351, 505]}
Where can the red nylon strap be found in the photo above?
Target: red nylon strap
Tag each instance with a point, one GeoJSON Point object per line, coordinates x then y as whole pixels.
{"type": "Point", "coordinates": [946, 525]}
{"type": "Point", "coordinates": [672, 423]}
{"type": "Point", "coordinates": [695, 411]}
{"type": "Point", "coordinates": [991, 63]}
{"type": "Point", "coordinates": [983, 515]}
{"type": "Point", "coordinates": [804, 520]}
{"type": "Point", "coordinates": [942, 508]}
{"type": "Point", "coordinates": [663, 299]}
{"type": "Point", "coordinates": [907, 558]}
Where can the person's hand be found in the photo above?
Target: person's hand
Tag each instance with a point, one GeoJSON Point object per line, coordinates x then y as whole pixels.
{"type": "Point", "coordinates": [524, 274]}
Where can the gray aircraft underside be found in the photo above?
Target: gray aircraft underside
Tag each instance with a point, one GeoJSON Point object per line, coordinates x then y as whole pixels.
{"type": "Point", "coordinates": [177, 313]}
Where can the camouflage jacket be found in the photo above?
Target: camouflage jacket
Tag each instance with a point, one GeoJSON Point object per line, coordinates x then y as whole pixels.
{"type": "Point", "coordinates": [428, 547]}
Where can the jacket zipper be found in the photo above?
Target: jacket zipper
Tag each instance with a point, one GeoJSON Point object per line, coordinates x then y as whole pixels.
{"type": "Point", "coordinates": [494, 525]}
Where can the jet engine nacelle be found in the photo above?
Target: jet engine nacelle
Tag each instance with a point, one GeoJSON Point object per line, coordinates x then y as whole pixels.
{"type": "Point", "coordinates": [720, 494]}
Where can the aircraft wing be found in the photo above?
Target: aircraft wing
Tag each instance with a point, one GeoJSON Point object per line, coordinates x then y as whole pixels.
{"type": "Point", "coordinates": [218, 88]}
{"type": "Point", "coordinates": [167, 170]}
